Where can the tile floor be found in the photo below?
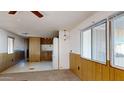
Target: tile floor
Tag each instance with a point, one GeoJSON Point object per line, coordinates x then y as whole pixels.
{"type": "Point", "coordinates": [24, 66]}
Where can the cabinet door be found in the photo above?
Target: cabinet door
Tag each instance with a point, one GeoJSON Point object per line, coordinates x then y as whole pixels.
{"type": "Point", "coordinates": [46, 55]}
{"type": "Point", "coordinates": [34, 49]}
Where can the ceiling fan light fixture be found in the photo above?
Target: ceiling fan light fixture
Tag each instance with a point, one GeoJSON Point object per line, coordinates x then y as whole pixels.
{"type": "Point", "coordinates": [36, 13]}
{"type": "Point", "coordinates": [12, 12]}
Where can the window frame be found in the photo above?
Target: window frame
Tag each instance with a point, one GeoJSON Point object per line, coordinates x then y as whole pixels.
{"type": "Point", "coordinates": [91, 27]}
{"type": "Point", "coordinates": [8, 44]}
{"type": "Point", "coordinates": [101, 23]}
{"type": "Point", "coordinates": [112, 46]}
{"type": "Point", "coordinates": [81, 46]}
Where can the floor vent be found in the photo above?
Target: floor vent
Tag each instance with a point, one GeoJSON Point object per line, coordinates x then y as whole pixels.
{"type": "Point", "coordinates": [31, 68]}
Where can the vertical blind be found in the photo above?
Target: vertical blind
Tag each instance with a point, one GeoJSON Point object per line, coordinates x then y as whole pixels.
{"type": "Point", "coordinates": [99, 43]}
{"type": "Point", "coordinates": [118, 41]}
{"type": "Point", "coordinates": [86, 42]}
{"type": "Point", "coordinates": [93, 42]}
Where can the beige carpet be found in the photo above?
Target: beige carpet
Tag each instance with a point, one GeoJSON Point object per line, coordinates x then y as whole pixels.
{"type": "Point", "coordinates": [55, 75]}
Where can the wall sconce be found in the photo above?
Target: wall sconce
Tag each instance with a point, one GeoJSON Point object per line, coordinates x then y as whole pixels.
{"type": "Point", "coordinates": [65, 35]}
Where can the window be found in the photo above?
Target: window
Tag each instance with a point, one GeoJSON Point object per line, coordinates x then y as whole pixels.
{"type": "Point", "coordinates": [93, 43]}
{"type": "Point", "coordinates": [10, 45]}
{"type": "Point", "coordinates": [99, 43]}
{"type": "Point", "coordinates": [86, 44]}
{"type": "Point", "coordinates": [118, 41]}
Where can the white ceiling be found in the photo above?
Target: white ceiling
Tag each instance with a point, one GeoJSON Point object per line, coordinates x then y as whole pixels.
{"type": "Point", "coordinates": [26, 22]}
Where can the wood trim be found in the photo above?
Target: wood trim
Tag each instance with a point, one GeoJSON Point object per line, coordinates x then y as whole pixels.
{"type": "Point", "coordinates": [8, 60]}
{"type": "Point", "coordinates": [90, 70]}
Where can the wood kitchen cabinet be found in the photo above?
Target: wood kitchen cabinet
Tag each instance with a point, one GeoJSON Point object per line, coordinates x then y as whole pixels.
{"type": "Point", "coordinates": [46, 56]}
{"type": "Point", "coordinates": [34, 49]}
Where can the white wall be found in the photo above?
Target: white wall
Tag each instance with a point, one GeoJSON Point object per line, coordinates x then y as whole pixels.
{"type": "Point", "coordinates": [18, 42]}
{"type": "Point", "coordinates": [73, 42]}
{"type": "Point", "coordinates": [75, 33]}
{"type": "Point", "coordinates": [63, 51]}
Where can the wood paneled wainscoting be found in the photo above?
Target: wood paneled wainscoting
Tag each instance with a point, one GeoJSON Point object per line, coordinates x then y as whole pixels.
{"type": "Point", "coordinates": [88, 70]}
{"type": "Point", "coordinates": [8, 60]}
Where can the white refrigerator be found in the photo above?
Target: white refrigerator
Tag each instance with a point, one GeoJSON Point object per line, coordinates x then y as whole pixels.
{"type": "Point", "coordinates": [55, 55]}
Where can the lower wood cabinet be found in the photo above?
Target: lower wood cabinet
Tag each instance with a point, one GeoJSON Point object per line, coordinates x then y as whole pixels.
{"type": "Point", "coordinates": [46, 56]}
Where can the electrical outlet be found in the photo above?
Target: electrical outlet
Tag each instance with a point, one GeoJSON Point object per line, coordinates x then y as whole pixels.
{"type": "Point", "coordinates": [12, 60]}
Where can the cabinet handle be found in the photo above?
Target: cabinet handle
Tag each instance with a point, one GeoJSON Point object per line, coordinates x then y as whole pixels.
{"type": "Point", "coordinates": [78, 68]}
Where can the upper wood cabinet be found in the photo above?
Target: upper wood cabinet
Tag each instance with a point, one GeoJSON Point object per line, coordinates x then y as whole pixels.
{"type": "Point", "coordinates": [46, 40]}
{"type": "Point", "coordinates": [34, 49]}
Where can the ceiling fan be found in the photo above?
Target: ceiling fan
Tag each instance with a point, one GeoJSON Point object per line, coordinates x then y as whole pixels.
{"type": "Point", "coordinates": [38, 14]}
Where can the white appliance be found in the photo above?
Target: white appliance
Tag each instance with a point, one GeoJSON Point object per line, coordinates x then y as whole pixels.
{"type": "Point", "coordinates": [47, 47]}
{"type": "Point", "coordinates": [55, 53]}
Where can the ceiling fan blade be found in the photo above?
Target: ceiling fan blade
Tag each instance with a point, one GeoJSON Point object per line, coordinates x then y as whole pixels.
{"type": "Point", "coordinates": [12, 12]}
{"type": "Point", "coordinates": [38, 14]}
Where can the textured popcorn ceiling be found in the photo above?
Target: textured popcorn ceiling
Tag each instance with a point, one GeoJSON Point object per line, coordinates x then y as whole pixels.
{"type": "Point", "coordinates": [26, 22]}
